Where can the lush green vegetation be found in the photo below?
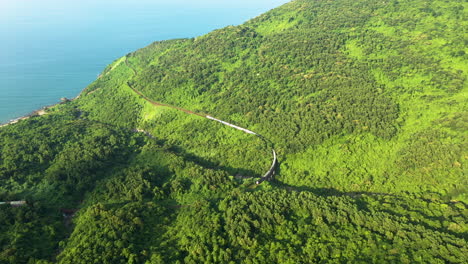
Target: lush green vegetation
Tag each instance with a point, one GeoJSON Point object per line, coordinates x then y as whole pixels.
{"type": "Point", "coordinates": [364, 101]}
{"type": "Point", "coordinates": [332, 84]}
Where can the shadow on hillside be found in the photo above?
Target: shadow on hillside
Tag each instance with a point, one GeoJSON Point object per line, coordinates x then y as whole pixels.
{"type": "Point", "coordinates": [241, 172]}
{"type": "Point", "coordinates": [400, 205]}
{"type": "Point", "coordinates": [322, 191]}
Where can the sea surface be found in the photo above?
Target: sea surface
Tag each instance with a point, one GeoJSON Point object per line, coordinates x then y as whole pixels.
{"type": "Point", "coordinates": [53, 48]}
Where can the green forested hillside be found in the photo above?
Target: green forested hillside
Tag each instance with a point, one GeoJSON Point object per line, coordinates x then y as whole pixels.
{"type": "Point", "coordinates": [365, 103]}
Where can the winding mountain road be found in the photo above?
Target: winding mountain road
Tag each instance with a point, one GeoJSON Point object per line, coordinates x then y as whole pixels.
{"type": "Point", "coordinates": [266, 177]}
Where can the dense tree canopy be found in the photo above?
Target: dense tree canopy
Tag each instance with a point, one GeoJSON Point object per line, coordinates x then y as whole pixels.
{"type": "Point", "coordinates": [364, 101]}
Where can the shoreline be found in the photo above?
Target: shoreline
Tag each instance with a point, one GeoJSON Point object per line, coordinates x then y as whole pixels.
{"type": "Point", "coordinates": [40, 112]}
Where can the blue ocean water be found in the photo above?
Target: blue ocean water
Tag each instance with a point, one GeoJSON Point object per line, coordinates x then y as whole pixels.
{"type": "Point", "coordinates": [53, 48]}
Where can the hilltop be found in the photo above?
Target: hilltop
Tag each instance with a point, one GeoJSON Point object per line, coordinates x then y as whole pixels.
{"type": "Point", "coordinates": [364, 102]}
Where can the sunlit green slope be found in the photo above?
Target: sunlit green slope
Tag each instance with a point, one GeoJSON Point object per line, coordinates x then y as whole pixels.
{"type": "Point", "coordinates": [364, 101]}
{"type": "Point", "coordinates": [355, 95]}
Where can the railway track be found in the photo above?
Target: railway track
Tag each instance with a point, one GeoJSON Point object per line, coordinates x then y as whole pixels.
{"type": "Point", "coordinates": [266, 177]}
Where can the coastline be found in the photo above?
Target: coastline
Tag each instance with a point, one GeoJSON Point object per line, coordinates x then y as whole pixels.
{"type": "Point", "coordinates": [41, 111]}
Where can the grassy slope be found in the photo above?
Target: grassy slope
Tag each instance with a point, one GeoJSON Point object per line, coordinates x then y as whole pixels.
{"type": "Point", "coordinates": [209, 142]}
{"type": "Point", "coordinates": [410, 69]}
{"type": "Point", "coordinates": [368, 118]}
